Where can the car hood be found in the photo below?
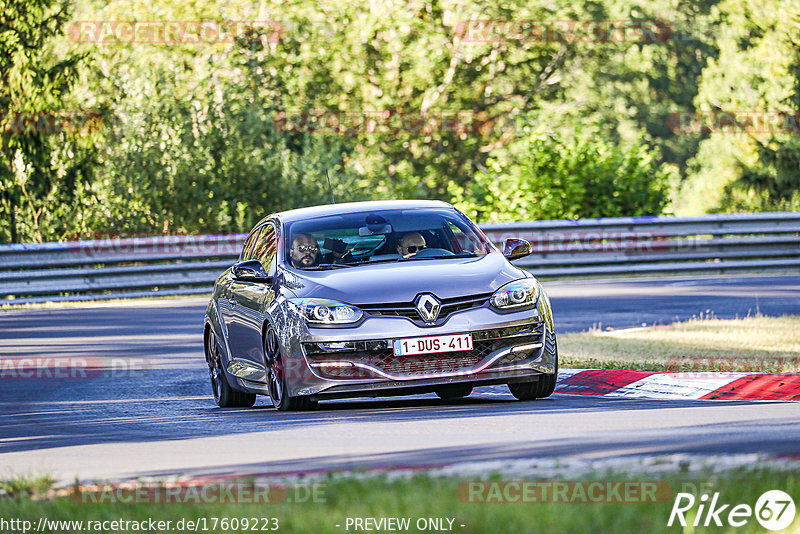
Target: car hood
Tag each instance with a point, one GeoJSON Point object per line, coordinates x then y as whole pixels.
{"type": "Point", "coordinates": [402, 282]}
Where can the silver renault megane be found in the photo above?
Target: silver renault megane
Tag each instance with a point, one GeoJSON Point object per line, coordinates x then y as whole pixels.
{"type": "Point", "coordinates": [374, 299]}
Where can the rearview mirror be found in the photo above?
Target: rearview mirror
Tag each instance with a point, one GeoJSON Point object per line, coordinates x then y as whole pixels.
{"type": "Point", "coordinates": [250, 271]}
{"type": "Point", "coordinates": [516, 248]}
{"type": "Point", "coordinates": [379, 229]}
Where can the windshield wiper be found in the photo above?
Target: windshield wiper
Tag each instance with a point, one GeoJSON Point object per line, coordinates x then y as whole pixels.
{"type": "Point", "coordinates": [327, 267]}
{"type": "Point", "coordinates": [384, 260]}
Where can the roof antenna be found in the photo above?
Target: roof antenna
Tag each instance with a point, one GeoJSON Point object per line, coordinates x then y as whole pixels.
{"type": "Point", "coordinates": [329, 186]}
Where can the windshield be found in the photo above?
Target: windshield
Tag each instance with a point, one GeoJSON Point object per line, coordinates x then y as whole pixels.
{"type": "Point", "coordinates": [383, 236]}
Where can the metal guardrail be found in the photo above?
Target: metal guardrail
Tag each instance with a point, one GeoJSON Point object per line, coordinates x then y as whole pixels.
{"type": "Point", "coordinates": [631, 245]}
{"type": "Point", "coordinates": [172, 265]}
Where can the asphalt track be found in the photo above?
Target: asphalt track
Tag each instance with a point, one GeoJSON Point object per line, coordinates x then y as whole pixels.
{"type": "Point", "coordinates": [150, 413]}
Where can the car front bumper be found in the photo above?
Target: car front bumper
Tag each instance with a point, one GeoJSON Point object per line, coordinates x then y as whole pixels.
{"type": "Point", "coordinates": [347, 362]}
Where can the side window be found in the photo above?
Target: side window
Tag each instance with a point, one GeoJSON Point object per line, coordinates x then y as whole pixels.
{"type": "Point", "coordinates": [249, 244]}
{"type": "Point", "coordinates": [266, 246]}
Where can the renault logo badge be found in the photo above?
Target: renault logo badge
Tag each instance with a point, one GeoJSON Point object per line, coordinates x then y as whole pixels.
{"type": "Point", "coordinates": [428, 307]}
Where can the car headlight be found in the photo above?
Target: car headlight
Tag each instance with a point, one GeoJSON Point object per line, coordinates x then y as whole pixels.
{"type": "Point", "coordinates": [517, 294]}
{"type": "Point", "coordinates": [326, 311]}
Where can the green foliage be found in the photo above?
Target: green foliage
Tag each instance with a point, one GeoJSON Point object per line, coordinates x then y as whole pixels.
{"type": "Point", "coordinates": [42, 172]}
{"type": "Point", "coordinates": [546, 176]}
{"type": "Point", "coordinates": [630, 87]}
{"type": "Point", "coordinates": [406, 58]}
{"type": "Point", "coordinates": [193, 138]}
{"type": "Point", "coordinates": [773, 184]}
{"type": "Point", "coordinates": [426, 496]}
{"type": "Point", "coordinates": [218, 166]}
{"type": "Point", "coordinates": [26, 487]}
{"type": "Point", "coordinates": [756, 71]}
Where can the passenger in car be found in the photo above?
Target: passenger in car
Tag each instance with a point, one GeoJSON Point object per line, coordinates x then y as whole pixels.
{"type": "Point", "coordinates": [304, 251]}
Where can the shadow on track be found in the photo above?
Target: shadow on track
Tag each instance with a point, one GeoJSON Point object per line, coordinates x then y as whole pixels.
{"type": "Point", "coordinates": [176, 404]}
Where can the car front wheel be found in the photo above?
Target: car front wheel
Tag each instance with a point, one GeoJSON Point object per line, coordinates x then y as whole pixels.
{"type": "Point", "coordinates": [277, 379]}
{"type": "Point", "coordinates": [540, 389]}
{"type": "Point", "coordinates": [224, 395]}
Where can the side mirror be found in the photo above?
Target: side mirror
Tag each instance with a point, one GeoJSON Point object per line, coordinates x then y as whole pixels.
{"type": "Point", "coordinates": [516, 248]}
{"type": "Point", "coordinates": [250, 271]}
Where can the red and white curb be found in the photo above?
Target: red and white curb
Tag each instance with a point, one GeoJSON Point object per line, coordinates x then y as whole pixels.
{"type": "Point", "coordinates": [681, 385]}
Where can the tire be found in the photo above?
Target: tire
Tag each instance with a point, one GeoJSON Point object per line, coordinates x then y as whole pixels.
{"type": "Point", "coordinates": [540, 389]}
{"type": "Point", "coordinates": [277, 384]}
{"type": "Point", "coordinates": [224, 395]}
{"type": "Point", "coordinates": [454, 391]}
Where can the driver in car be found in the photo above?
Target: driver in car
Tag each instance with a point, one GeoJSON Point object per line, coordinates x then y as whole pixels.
{"type": "Point", "coordinates": [304, 251]}
{"type": "Point", "coordinates": [410, 244]}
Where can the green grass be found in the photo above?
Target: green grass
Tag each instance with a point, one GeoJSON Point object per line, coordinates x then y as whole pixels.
{"type": "Point", "coordinates": [26, 487]}
{"type": "Point", "coordinates": [752, 344]}
{"type": "Point", "coordinates": [423, 497]}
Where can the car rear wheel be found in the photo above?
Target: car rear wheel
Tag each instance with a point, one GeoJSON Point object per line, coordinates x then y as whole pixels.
{"type": "Point", "coordinates": [224, 395]}
{"type": "Point", "coordinates": [276, 377]}
{"type": "Point", "coordinates": [540, 389]}
{"type": "Point", "coordinates": [454, 391]}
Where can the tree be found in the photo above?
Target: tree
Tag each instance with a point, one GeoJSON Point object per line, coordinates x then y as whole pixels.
{"type": "Point", "coordinates": [546, 176]}
{"type": "Point", "coordinates": [773, 182]}
{"type": "Point", "coordinates": [416, 63]}
{"type": "Point", "coordinates": [41, 168]}
{"type": "Point", "coordinates": [753, 165]}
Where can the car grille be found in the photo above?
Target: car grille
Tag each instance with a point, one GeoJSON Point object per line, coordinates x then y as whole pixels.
{"type": "Point", "coordinates": [407, 309]}
{"type": "Point", "coordinates": [376, 359]}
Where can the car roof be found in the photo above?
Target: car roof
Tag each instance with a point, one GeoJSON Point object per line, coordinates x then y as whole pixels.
{"type": "Point", "coordinates": [355, 207]}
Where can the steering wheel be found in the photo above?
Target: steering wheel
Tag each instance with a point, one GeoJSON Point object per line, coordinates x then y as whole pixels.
{"type": "Point", "coordinates": [360, 252]}
{"type": "Point", "coordinates": [428, 252]}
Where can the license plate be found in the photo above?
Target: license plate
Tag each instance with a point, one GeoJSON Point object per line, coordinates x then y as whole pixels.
{"type": "Point", "coordinates": [432, 344]}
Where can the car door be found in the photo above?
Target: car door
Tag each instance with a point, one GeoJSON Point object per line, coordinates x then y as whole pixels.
{"type": "Point", "coordinates": [228, 300]}
{"type": "Point", "coordinates": [251, 299]}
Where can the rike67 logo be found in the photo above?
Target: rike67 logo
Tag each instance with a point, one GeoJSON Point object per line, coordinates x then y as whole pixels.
{"type": "Point", "coordinates": [774, 510]}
